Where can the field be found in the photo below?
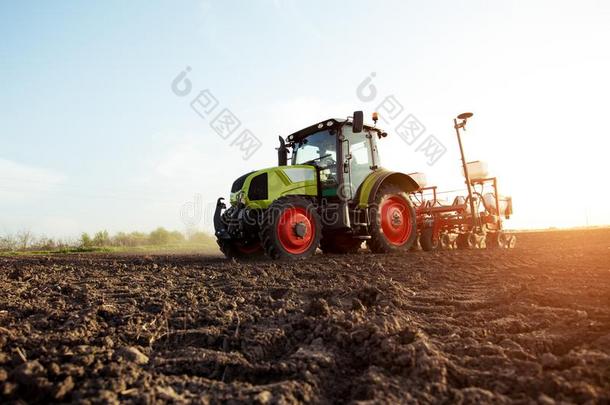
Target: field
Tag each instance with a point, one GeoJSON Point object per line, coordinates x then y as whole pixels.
{"type": "Point", "coordinates": [496, 326]}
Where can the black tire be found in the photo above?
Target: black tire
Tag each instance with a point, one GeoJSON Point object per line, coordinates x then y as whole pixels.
{"type": "Point", "coordinates": [465, 241]}
{"type": "Point", "coordinates": [427, 241]}
{"type": "Point", "coordinates": [495, 240]}
{"type": "Point", "coordinates": [471, 240]}
{"type": "Point", "coordinates": [379, 242]}
{"type": "Point", "coordinates": [238, 250]}
{"type": "Point", "coordinates": [511, 241]}
{"type": "Point", "coordinates": [339, 243]}
{"type": "Point", "coordinates": [272, 224]}
{"type": "Point", "coordinates": [447, 241]}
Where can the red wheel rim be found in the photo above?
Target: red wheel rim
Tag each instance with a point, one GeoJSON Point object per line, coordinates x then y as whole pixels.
{"type": "Point", "coordinates": [396, 222]}
{"type": "Point", "coordinates": [296, 230]}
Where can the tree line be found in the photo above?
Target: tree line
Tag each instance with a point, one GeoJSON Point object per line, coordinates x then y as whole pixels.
{"type": "Point", "coordinates": [26, 241]}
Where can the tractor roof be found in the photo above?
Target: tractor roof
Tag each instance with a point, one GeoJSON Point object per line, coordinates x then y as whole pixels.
{"type": "Point", "coordinates": [330, 123]}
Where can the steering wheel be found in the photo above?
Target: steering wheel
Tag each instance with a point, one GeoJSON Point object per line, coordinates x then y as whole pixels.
{"type": "Point", "coordinates": [325, 162]}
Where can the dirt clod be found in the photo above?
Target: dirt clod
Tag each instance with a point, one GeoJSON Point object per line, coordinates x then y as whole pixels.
{"type": "Point", "coordinates": [64, 387]}
{"type": "Point", "coordinates": [549, 360]}
{"type": "Point", "coordinates": [263, 397]}
{"type": "Point", "coordinates": [318, 307]}
{"type": "Point", "coordinates": [27, 373]}
{"type": "Point", "coordinates": [132, 354]}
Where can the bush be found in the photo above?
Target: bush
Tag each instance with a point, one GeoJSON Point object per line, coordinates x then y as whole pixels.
{"type": "Point", "coordinates": [159, 236]}
{"type": "Point", "coordinates": [101, 238]}
{"type": "Point", "coordinates": [85, 240]}
{"type": "Point", "coordinates": [202, 238]}
{"type": "Point", "coordinates": [8, 243]}
{"type": "Point", "coordinates": [176, 237]}
{"type": "Point", "coordinates": [130, 239]}
{"type": "Point", "coordinates": [44, 243]}
{"type": "Point", "coordinates": [26, 241]}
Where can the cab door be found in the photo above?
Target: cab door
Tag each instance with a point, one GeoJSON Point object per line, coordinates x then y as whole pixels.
{"type": "Point", "coordinates": [359, 154]}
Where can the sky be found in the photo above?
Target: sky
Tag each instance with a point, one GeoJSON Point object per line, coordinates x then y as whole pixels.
{"type": "Point", "coordinates": [98, 131]}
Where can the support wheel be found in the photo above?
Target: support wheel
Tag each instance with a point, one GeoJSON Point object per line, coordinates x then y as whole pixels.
{"type": "Point", "coordinates": [470, 240]}
{"type": "Point", "coordinates": [427, 241]}
{"type": "Point", "coordinates": [393, 223]}
{"type": "Point", "coordinates": [465, 241]}
{"type": "Point", "coordinates": [496, 240]}
{"type": "Point", "coordinates": [291, 228]}
{"type": "Point", "coordinates": [511, 241]}
{"type": "Point", "coordinates": [501, 240]}
{"type": "Point", "coordinates": [448, 241]}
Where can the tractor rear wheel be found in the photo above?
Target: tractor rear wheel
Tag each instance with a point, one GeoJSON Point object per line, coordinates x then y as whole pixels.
{"type": "Point", "coordinates": [339, 243]}
{"type": "Point", "coordinates": [291, 228]}
{"type": "Point", "coordinates": [393, 221]}
{"type": "Point", "coordinates": [427, 241]}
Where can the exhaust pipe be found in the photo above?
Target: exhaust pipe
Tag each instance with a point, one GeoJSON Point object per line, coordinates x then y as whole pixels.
{"type": "Point", "coordinates": [282, 153]}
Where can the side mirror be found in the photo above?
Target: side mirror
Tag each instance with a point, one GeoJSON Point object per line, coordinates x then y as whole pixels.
{"type": "Point", "coordinates": [358, 121]}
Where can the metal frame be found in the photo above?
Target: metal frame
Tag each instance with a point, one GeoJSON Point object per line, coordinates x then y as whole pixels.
{"type": "Point", "coordinates": [455, 218]}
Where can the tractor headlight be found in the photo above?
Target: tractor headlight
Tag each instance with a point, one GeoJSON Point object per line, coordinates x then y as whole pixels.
{"type": "Point", "coordinates": [240, 197]}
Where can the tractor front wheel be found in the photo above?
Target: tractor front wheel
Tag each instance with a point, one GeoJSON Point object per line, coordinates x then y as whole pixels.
{"type": "Point", "coordinates": [291, 228]}
{"type": "Point", "coordinates": [239, 249]}
{"type": "Point", "coordinates": [393, 221]}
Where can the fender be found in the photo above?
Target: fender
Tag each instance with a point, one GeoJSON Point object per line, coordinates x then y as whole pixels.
{"type": "Point", "coordinates": [369, 187]}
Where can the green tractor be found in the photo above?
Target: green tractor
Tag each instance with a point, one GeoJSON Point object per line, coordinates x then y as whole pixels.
{"type": "Point", "coordinates": [334, 195]}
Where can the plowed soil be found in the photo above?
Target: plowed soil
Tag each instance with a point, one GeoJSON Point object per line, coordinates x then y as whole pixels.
{"type": "Point", "coordinates": [529, 325]}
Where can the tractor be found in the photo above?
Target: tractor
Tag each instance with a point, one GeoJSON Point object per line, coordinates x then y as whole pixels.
{"type": "Point", "coordinates": [334, 195]}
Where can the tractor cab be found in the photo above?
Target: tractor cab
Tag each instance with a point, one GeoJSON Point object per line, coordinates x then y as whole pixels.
{"type": "Point", "coordinates": [344, 152]}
